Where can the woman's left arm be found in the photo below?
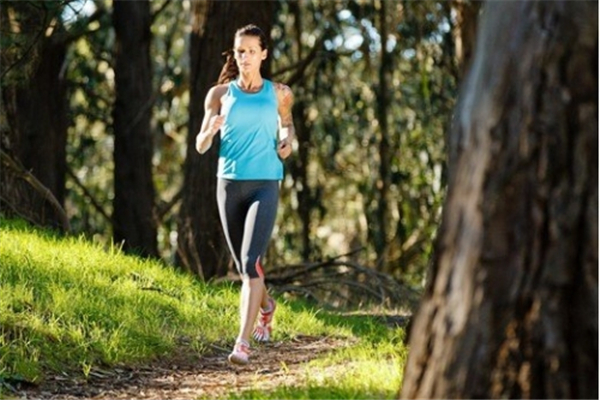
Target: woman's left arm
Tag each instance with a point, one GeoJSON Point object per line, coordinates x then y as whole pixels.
{"type": "Point", "coordinates": [287, 133]}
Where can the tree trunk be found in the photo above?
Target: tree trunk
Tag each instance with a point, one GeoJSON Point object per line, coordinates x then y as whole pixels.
{"type": "Point", "coordinates": [201, 245]}
{"type": "Point", "coordinates": [511, 310]}
{"type": "Point", "coordinates": [133, 220]}
{"type": "Point", "coordinates": [35, 108]}
{"type": "Point", "coordinates": [466, 14]}
{"type": "Point", "coordinates": [298, 165]}
{"type": "Point", "coordinates": [383, 181]}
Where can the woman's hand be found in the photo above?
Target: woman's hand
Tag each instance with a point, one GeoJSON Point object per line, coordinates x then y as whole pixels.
{"type": "Point", "coordinates": [215, 124]}
{"type": "Point", "coordinates": [284, 149]}
{"type": "Point", "coordinates": [205, 137]}
{"type": "Point", "coordinates": [212, 121]}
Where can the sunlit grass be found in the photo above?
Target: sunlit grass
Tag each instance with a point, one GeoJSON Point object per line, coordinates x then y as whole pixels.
{"type": "Point", "coordinates": [369, 369]}
{"type": "Point", "coordinates": [68, 305]}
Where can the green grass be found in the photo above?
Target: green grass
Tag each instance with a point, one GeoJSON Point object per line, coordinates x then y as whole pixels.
{"type": "Point", "coordinates": [68, 305]}
{"type": "Point", "coordinates": [357, 373]}
{"type": "Point", "coordinates": [369, 369]}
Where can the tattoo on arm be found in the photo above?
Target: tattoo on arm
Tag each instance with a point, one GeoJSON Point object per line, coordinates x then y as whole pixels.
{"type": "Point", "coordinates": [286, 101]}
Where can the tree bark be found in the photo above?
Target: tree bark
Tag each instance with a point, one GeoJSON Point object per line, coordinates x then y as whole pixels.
{"type": "Point", "coordinates": [511, 309]}
{"type": "Point", "coordinates": [298, 164]}
{"type": "Point", "coordinates": [466, 14]}
{"type": "Point", "coordinates": [201, 245]}
{"type": "Point", "coordinates": [133, 220]}
{"type": "Point", "coordinates": [383, 182]}
{"type": "Point", "coordinates": [34, 105]}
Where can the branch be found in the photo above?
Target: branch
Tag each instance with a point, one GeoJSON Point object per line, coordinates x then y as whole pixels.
{"type": "Point", "coordinates": [96, 15]}
{"type": "Point", "coordinates": [88, 194]}
{"type": "Point", "coordinates": [342, 282]}
{"type": "Point", "coordinates": [160, 9]}
{"type": "Point", "coordinates": [15, 211]}
{"type": "Point", "coordinates": [301, 66]}
{"type": "Point", "coordinates": [162, 210]}
{"type": "Point", "coordinates": [25, 53]}
{"type": "Point", "coordinates": [38, 186]}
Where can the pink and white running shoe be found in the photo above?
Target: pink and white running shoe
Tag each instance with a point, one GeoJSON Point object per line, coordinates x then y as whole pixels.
{"type": "Point", "coordinates": [240, 354]}
{"type": "Point", "coordinates": [263, 328]}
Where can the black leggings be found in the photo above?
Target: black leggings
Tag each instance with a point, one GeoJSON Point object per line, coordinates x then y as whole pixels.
{"type": "Point", "coordinates": [247, 210]}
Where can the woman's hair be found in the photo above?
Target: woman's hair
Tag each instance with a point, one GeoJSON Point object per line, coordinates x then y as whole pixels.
{"type": "Point", "coordinates": [230, 70]}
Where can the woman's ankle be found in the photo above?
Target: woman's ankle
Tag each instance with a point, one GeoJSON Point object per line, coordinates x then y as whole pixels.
{"type": "Point", "coordinates": [270, 306]}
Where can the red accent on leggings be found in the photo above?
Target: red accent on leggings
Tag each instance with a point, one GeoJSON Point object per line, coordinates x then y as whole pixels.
{"type": "Point", "coordinates": [259, 269]}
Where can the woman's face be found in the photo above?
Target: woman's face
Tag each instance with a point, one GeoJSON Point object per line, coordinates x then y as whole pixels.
{"type": "Point", "coordinates": [248, 54]}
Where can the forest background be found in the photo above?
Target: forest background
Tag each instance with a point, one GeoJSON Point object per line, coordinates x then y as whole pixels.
{"type": "Point", "coordinates": [102, 100]}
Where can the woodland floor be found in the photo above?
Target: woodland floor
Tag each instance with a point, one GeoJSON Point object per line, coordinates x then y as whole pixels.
{"type": "Point", "coordinates": [190, 376]}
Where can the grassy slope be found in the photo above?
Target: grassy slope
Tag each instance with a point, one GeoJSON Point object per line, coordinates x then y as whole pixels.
{"type": "Point", "coordinates": [68, 305]}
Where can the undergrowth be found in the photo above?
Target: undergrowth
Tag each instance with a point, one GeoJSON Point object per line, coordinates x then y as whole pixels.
{"type": "Point", "coordinates": [69, 305]}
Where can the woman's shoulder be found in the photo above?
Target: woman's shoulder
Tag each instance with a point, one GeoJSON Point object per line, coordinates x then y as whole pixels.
{"type": "Point", "coordinates": [281, 87]}
{"type": "Point", "coordinates": [216, 92]}
{"type": "Point", "coordinates": [219, 89]}
{"type": "Point", "coordinates": [283, 91]}
{"type": "Point", "coordinates": [214, 95]}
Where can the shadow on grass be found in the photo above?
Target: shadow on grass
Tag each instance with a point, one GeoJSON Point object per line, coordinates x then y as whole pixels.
{"type": "Point", "coordinates": [312, 392]}
{"type": "Point", "coordinates": [362, 323]}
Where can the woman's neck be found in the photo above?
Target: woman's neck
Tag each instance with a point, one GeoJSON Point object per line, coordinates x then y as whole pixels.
{"type": "Point", "coordinates": [250, 82]}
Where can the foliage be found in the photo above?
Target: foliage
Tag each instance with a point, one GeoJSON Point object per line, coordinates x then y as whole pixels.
{"type": "Point", "coordinates": [340, 97]}
{"type": "Point", "coordinates": [21, 29]}
{"type": "Point", "coordinates": [331, 54]}
{"type": "Point", "coordinates": [91, 142]}
{"type": "Point", "coordinates": [69, 305]}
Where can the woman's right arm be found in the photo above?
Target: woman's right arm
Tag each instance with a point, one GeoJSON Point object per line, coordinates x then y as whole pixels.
{"type": "Point", "coordinates": [212, 121]}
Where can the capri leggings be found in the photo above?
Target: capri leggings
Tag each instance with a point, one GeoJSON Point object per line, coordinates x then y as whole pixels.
{"type": "Point", "coordinates": [247, 210]}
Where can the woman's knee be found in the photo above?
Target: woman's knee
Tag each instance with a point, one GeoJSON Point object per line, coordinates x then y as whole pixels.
{"type": "Point", "coordinates": [252, 267]}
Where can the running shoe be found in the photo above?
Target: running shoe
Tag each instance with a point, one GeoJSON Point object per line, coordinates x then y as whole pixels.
{"type": "Point", "coordinates": [240, 354]}
{"type": "Point", "coordinates": [263, 328]}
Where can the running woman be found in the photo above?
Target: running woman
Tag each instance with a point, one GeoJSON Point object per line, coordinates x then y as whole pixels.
{"type": "Point", "coordinates": [254, 117]}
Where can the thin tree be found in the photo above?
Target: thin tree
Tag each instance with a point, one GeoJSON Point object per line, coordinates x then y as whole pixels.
{"type": "Point", "coordinates": [383, 180]}
{"type": "Point", "coordinates": [511, 310]}
{"type": "Point", "coordinates": [133, 220]}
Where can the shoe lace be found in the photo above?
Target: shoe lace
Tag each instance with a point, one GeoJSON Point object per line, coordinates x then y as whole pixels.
{"type": "Point", "coordinates": [265, 317]}
{"type": "Point", "coordinates": [242, 347]}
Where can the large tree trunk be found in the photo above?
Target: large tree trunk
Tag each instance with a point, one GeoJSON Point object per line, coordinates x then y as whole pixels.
{"type": "Point", "coordinates": [201, 245]}
{"type": "Point", "coordinates": [512, 306]}
{"type": "Point", "coordinates": [133, 220]}
{"type": "Point", "coordinates": [42, 120]}
{"type": "Point", "coordinates": [34, 105]}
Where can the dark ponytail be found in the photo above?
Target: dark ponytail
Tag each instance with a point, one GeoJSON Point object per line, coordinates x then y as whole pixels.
{"type": "Point", "coordinates": [230, 70]}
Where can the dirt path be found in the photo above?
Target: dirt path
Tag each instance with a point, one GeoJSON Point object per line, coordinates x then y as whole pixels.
{"type": "Point", "coordinates": [188, 376]}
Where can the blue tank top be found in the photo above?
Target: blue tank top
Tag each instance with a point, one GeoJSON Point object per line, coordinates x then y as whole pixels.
{"type": "Point", "coordinates": [248, 149]}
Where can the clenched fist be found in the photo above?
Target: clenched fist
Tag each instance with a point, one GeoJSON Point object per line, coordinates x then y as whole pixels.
{"type": "Point", "coordinates": [284, 149]}
{"type": "Point", "coordinates": [215, 123]}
